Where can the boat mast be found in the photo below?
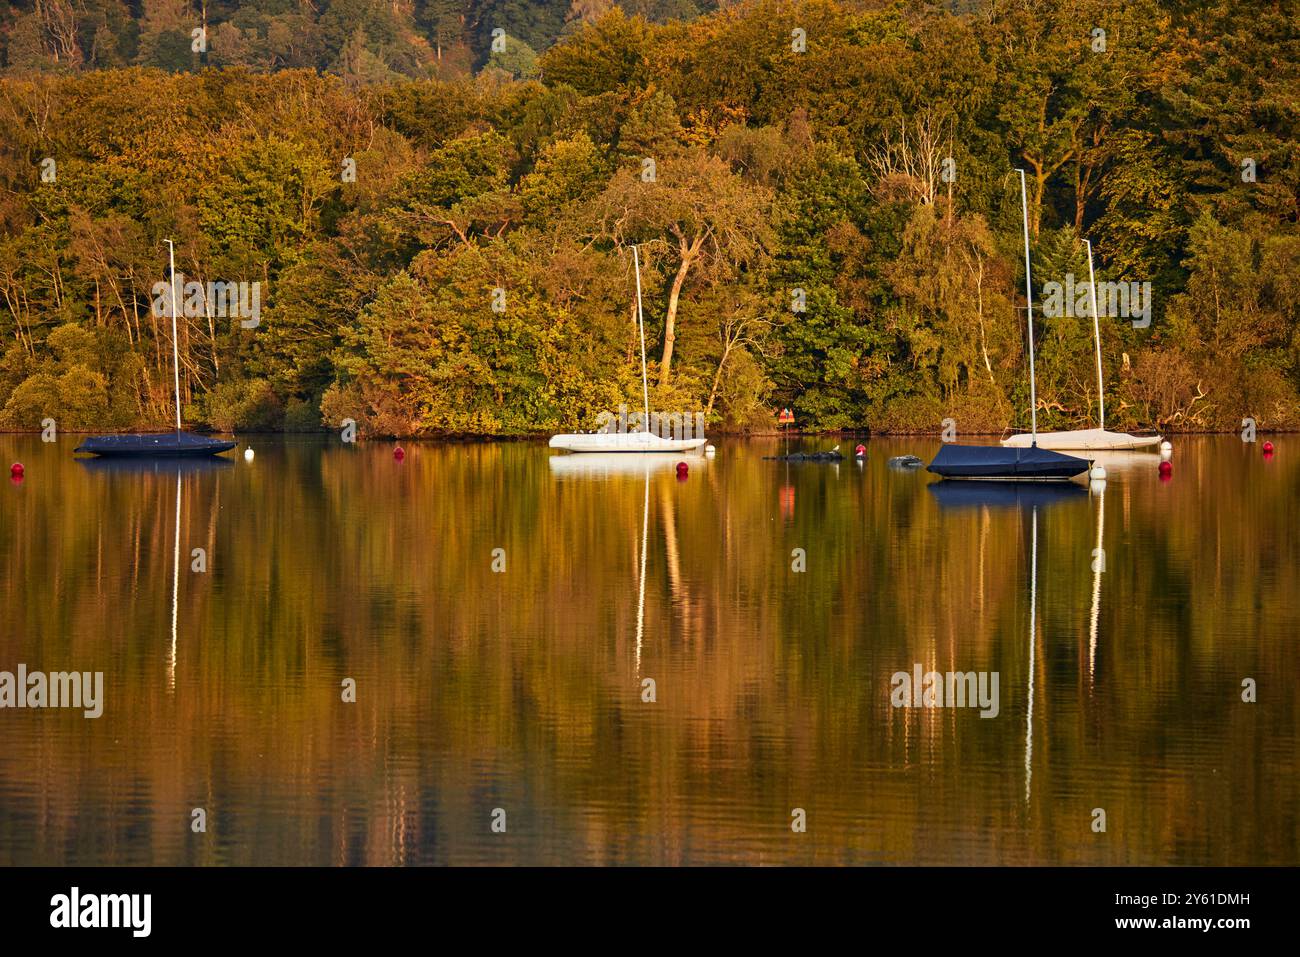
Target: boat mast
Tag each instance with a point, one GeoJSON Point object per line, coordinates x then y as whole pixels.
{"type": "Point", "coordinates": [1096, 334]}
{"type": "Point", "coordinates": [1029, 316]}
{"type": "Point", "coordinates": [176, 353]}
{"type": "Point", "coordinates": [1033, 633]}
{"type": "Point", "coordinates": [640, 321]}
{"type": "Point", "coordinates": [1096, 589]}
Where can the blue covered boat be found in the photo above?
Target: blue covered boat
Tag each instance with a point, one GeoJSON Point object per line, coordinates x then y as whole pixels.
{"type": "Point", "coordinates": [991, 462]}
{"type": "Point", "coordinates": [995, 462]}
{"type": "Point", "coordinates": [158, 445]}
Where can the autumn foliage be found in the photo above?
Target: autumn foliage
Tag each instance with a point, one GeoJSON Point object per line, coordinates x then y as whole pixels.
{"type": "Point", "coordinates": [823, 193]}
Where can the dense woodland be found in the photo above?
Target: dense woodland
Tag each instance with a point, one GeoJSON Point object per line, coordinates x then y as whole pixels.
{"type": "Point", "coordinates": [824, 195]}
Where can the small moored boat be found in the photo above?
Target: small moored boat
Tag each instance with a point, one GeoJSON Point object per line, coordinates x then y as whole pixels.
{"type": "Point", "coordinates": [992, 462]}
{"type": "Point", "coordinates": [172, 445]}
{"type": "Point", "coordinates": [160, 445]}
{"type": "Point", "coordinates": [643, 441]}
{"type": "Point", "coordinates": [1090, 440]}
{"type": "Point", "coordinates": [1087, 440]}
{"type": "Point", "coordinates": [622, 442]}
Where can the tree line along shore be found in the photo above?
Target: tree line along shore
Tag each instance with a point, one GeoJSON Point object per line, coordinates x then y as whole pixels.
{"type": "Point", "coordinates": [823, 195]}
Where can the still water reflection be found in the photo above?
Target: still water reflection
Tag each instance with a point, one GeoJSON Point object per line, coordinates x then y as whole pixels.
{"type": "Point", "coordinates": [1121, 626]}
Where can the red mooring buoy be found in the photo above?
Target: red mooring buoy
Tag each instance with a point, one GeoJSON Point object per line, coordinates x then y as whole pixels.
{"type": "Point", "coordinates": [399, 453]}
{"type": "Point", "coordinates": [1166, 471]}
{"type": "Point", "coordinates": [682, 469]}
{"type": "Point", "coordinates": [860, 451]}
{"type": "Point", "coordinates": [1268, 448]}
{"type": "Point", "coordinates": [17, 471]}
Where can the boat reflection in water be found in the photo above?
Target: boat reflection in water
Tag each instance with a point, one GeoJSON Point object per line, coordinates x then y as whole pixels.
{"type": "Point", "coordinates": [976, 494]}
{"type": "Point", "coordinates": [597, 466]}
{"type": "Point", "coordinates": [180, 468]}
{"type": "Point", "coordinates": [526, 690]}
{"type": "Point", "coordinates": [163, 467]}
{"type": "Point", "coordinates": [1119, 460]}
{"type": "Point", "coordinates": [609, 464]}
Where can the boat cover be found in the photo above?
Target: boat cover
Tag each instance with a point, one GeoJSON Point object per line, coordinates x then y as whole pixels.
{"type": "Point", "coordinates": [1082, 439]}
{"type": "Point", "coordinates": [155, 445]}
{"type": "Point", "coordinates": [996, 462]}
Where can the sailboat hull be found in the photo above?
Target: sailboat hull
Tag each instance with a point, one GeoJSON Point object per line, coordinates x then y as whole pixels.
{"type": "Point", "coordinates": [172, 445]}
{"type": "Point", "coordinates": [631, 442]}
{"type": "Point", "coordinates": [1082, 440]}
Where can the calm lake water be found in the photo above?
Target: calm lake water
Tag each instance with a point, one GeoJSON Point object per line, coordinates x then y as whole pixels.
{"type": "Point", "coordinates": [521, 689]}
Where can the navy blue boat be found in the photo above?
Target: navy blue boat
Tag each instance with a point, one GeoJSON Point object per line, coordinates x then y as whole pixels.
{"type": "Point", "coordinates": [173, 445]}
{"type": "Point", "coordinates": [997, 462]}
{"type": "Point", "coordinates": [160, 445]}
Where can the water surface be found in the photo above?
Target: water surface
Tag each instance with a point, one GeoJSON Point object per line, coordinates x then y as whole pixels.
{"type": "Point", "coordinates": [521, 689]}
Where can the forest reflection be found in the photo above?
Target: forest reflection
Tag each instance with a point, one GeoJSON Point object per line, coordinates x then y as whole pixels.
{"type": "Point", "coordinates": [522, 689]}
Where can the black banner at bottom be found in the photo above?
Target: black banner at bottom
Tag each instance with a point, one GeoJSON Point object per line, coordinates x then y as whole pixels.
{"type": "Point", "coordinates": [880, 905]}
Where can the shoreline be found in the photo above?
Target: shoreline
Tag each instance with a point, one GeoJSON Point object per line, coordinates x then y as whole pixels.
{"type": "Point", "coordinates": [470, 437]}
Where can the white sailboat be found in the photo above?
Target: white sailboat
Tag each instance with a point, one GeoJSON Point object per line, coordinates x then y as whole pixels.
{"type": "Point", "coordinates": [1097, 439]}
{"type": "Point", "coordinates": [644, 441]}
{"type": "Point", "coordinates": [622, 442]}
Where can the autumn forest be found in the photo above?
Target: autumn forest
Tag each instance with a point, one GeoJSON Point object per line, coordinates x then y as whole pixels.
{"type": "Point", "coordinates": [436, 204]}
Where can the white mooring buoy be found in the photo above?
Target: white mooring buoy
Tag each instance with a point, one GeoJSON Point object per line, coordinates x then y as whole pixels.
{"type": "Point", "coordinates": [1098, 473]}
{"type": "Point", "coordinates": [248, 454]}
